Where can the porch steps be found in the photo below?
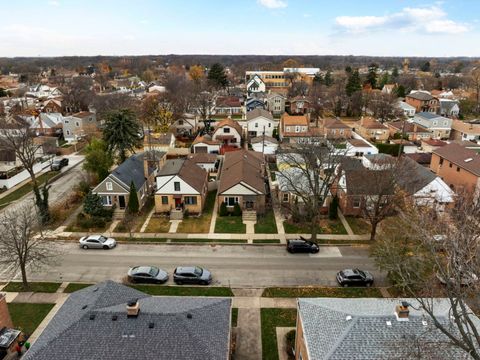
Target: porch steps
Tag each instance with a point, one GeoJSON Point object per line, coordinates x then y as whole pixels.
{"type": "Point", "coordinates": [249, 215]}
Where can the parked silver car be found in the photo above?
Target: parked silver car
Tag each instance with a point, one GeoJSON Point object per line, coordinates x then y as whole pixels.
{"type": "Point", "coordinates": [147, 274]}
{"type": "Point", "coordinates": [97, 242]}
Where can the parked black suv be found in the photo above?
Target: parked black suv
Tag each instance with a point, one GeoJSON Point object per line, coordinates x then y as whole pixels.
{"type": "Point", "coordinates": [302, 245]}
{"type": "Point", "coordinates": [354, 277]}
{"type": "Point", "coordinates": [192, 275]}
{"type": "Point", "coordinates": [58, 164]}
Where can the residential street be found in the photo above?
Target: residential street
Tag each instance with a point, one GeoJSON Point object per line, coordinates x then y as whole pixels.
{"type": "Point", "coordinates": [231, 265]}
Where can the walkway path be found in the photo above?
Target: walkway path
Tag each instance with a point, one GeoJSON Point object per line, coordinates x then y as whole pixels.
{"type": "Point", "coordinates": [174, 226]}
{"type": "Point", "coordinates": [249, 335]}
{"type": "Point", "coordinates": [213, 221]}
{"type": "Point", "coordinates": [345, 223]}
{"type": "Point", "coordinates": [250, 227]}
{"type": "Point", "coordinates": [147, 220]}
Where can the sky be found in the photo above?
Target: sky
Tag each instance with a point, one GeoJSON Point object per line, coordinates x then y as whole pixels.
{"type": "Point", "coordinates": [266, 27]}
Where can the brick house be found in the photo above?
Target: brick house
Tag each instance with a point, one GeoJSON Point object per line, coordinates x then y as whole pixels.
{"type": "Point", "coordinates": [369, 128]}
{"type": "Point", "coordinates": [423, 101]}
{"type": "Point", "coordinates": [414, 132]}
{"type": "Point", "coordinates": [335, 129]}
{"type": "Point", "coordinates": [465, 130]}
{"type": "Point", "coordinates": [458, 166]}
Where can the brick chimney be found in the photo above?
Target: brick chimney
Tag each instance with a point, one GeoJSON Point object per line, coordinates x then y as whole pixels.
{"type": "Point", "coordinates": [402, 312]}
{"type": "Point", "coordinates": [5, 319]}
{"type": "Point", "coordinates": [415, 128]}
{"type": "Point", "coordinates": [361, 121]}
{"type": "Point", "coordinates": [133, 308]}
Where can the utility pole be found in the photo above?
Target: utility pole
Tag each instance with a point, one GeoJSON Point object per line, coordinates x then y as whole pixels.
{"type": "Point", "coordinates": [263, 140]}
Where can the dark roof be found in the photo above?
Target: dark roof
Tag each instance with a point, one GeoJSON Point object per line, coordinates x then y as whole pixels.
{"type": "Point", "coordinates": [202, 158]}
{"type": "Point", "coordinates": [460, 156]}
{"type": "Point", "coordinates": [73, 335]}
{"type": "Point", "coordinates": [259, 112]}
{"type": "Point", "coordinates": [7, 155]}
{"type": "Point", "coordinates": [348, 163]}
{"type": "Point", "coordinates": [420, 96]}
{"type": "Point", "coordinates": [369, 182]}
{"type": "Point", "coordinates": [409, 127]}
{"type": "Point", "coordinates": [427, 115]}
{"type": "Point", "coordinates": [421, 158]}
{"type": "Point", "coordinates": [131, 170]}
{"type": "Point", "coordinates": [187, 170]}
{"type": "Point", "coordinates": [412, 177]}
{"type": "Point", "coordinates": [242, 166]}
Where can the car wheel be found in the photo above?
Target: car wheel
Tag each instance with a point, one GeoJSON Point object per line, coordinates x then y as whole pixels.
{"type": "Point", "coordinates": [85, 247]}
{"type": "Point", "coordinates": [105, 247]}
{"type": "Point", "coordinates": [368, 284]}
{"type": "Point", "coordinates": [203, 283]}
{"type": "Point", "coordinates": [345, 285]}
{"type": "Point", "coordinates": [178, 282]}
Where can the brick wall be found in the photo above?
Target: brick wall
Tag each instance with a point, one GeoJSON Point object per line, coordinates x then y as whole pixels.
{"type": "Point", "coordinates": [5, 319]}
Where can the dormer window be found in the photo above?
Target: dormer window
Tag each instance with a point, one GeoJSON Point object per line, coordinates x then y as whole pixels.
{"type": "Point", "coordinates": [109, 186]}
{"type": "Point", "coordinates": [226, 130]}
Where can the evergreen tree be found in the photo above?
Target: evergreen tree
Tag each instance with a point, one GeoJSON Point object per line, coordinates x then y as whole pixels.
{"type": "Point", "coordinates": [372, 75]}
{"type": "Point", "coordinates": [384, 80]}
{"type": "Point", "coordinates": [217, 77]}
{"type": "Point", "coordinates": [354, 83]}
{"type": "Point", "coordinates": [333, 208]}
{"type": "Point", "coordinates": [318, 78]}
{"type": "Point", "coordinates": [395, 73]}
{"type": "Point", "coordinates": [133, 205]}
{"type": "Point", "coordinates": [328, 78]}
{"type": "Point", "coordinates": [122, 132]}
{"type": "Point", "coordinates": [425, 67]}
{"type": "Point", "coordinates": [400, 91]}
{"type": "Point", "coordinates": [98, 159]}
{"type": "Point", "coordinates": [93, 205]}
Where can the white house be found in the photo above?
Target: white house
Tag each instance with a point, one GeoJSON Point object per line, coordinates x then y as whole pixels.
{"type": "Point", "coordinates": [260, 122]}
{"type": "Point", "coordinates": [276, 103]}
{"type": "Point", "coordinates": [439, 126]}
{"type": "Point", "coordinates": [408, 110]}
{"type": "Point", "coordinates": [265, 144]}
{"type": "Point", "coordinates": [358, 146]}
{"type": "Point", "coordinates": [207, 162]}
{"type": "Point", "coordinates": [205, 144]}
{"type": "Point", "coordinates": [228, 132]}
{"type": "Point", "coordinates": [449, 108]}
{"type": "Point", "coordinates": [255, 85]}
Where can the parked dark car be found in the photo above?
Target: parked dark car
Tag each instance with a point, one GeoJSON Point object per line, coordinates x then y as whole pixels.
{"type": "Point", "coordinates": [147, 274]}
{"type": "Point", "coordinates": [192, 275]}
{"type": "Point", "coordinates": [58, 164]}
{"type": "Point", "coordinates": [302, 245]}
{"type": "Point", "coordinates": [354, 277]}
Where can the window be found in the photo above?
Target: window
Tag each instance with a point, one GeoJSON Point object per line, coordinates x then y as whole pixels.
{"type": "Point", "coordinates": [356, 202]}
{"type": "Point", "coordinates": [285, 197]}
{"type": "Point", "coordinates": [297, 129]}
{"type": "Point", "coordinates": [441, 161]}
{"type": "Point", "coordinates": [226, 130]}
{"type": "Point", "coordinates": [109, 186]}
{"type": "Point", "coordinates": [256, 125]}
{"type": "Point", "coordinates": [164, 200]}
{"type": "Point", "coordinates": [190, 200]}
{"type": "Point", "coordinates": [77, 124]}
{"type": "Point", "coordinates": [180, 122]}
{"type": "Point", "coordinates": [66, 121]}
{"type": "Point", "coordinates": [450, 165]}
{"type": "Point", "coordinates": [107, 200]}
{"type": "Point", "coordinates": [68, 132]}
{"type": "Point", "coordinates": [458, 169]}
{"type": "Point", "coordinates": [269, 124]}
{"type": "Point", "coordinates": [176, 186]}
{"type": "Point", "coordinates": [231, 201]}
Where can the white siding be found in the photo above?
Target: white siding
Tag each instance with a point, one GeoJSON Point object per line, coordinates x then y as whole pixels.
{"type": "Point", "coordinates": [239, 189]}
{"type": "Point", "coordinates": [165, 185]}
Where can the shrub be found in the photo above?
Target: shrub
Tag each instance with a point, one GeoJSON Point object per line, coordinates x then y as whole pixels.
{"type": "Point", "coordinates": [93, 205]}
{"type": "Point", "coordinates": [237, 211]}
{"type": "Point", "coordinates": [83, 187]}
{"type": "Point", "coordinates": [290, 339]}
{"type": "Point", "coordinates": [333, 208]}
{"type": "Point", "coordinates": [223, 209]}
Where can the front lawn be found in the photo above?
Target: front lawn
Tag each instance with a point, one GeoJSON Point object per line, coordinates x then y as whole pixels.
{"type": "Point", "coordinates": [199, 224]}
{"type": "Point", "coordinates": [271, 319]}
{"type": "Point", "coordinates": [27, 317]}
{"type": "Point", "coordinates": [266, 241]}
{"type": "Point", "coordinates": [158, 224]}
{"type": "Point", "coordinates": [27, 188]}
{"type": "Point", "coordinates": [234, 317]}
{"type": "Point", "coordinates": [135, 223]}
{"type": "Point", "coordinates": [325, 226]}
{"type": "Point", "coordinates": [266, 224]}
{"type": "Point", "coordinates": [230, 225]}
{"type": "Point", "coordinates": [45, 287]}
{"type": "Point", "coordinates": [184, 290]}
{"type": "Point", "coordinates": [72, 287]}
{"type": "Point", "coordinates": [359, 226]}
{"type": "Point", "coordinates": [315, 291]}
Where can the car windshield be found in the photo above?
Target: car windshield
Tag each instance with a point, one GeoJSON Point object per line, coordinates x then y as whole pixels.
{"type": "Point", "coordinates": [198, 271]}
{"type": "Point", "coordinates": [102, 239]}
{"type": "Point", "coordinates": [360, 272]}
{"type": "Point", "coordinates": [56, 162]}
{"type": "Point", "coordinates": [154, 271]}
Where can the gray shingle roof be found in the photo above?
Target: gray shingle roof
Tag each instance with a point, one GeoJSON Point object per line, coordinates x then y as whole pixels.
{"type": "Point", "coordinates": [131, 170]}
{"type": "Point", "coordinates": [420, 96]}
{"type": "Point", "coordinates": [72, 335]}
{"type": "Point", "coordinates": [329, 335]}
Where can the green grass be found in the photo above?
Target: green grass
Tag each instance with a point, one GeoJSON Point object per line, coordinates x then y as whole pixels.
{"type": "Point", "coordinates": [266, 224]}
{"type": "Point", "coordinates": [136, 239]}
{"type": "Point", "coordinates": [314, 291]}
{"type": "Point", "coordinates": [27, 188]}
{"type": "Point", "coordinates": [209, 240]}
{"type": "Point", "coordinates": [234, 317]}
{"type": "Point", "coordinates": [27, 317]}
{"type": "Point", "coordinates": [271, 319]}
{"type": "Point", "coordinates": [325, 226]}
{"type": "Point", "coordinates": [184, 290]}
{"type": "Point", "coordinates": [266, 241]}
{"type": "Point", "coordinates": [230, 225]}
{"type": "Point", "coordinates": [359, 226]}
{"type": "Point", "coordinates": [199, 224]}
{"type": "Point", "coordinates": [158, 225]}
{"type": "Point", "coordinates": [45, 287]}
{"type": "Point", "coordinates": [136, 222]}
{"type": "Point", "coordinates": [72, 287]}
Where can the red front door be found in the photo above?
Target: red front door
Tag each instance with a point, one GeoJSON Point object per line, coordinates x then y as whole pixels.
{"type": "Point", "coordinates": [178, 202]}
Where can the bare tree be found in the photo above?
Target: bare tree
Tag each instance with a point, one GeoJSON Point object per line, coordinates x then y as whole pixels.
{"type": "Point", "coordinates": [423, 249]}
{"type": "Point", "coordinates": [21, 246]}
{"type": "Point", "coordinates": [79, 95]}
{"type": "Point", "coordinates": [21, 141]}
{"type": "Point", "coordinates": [308, 175]}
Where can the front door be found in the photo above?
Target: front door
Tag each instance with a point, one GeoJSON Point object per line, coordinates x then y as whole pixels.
{"type": "Point", "coordinates": [178, 202]}
{"type": "Point", "coordinates": [121, 202]}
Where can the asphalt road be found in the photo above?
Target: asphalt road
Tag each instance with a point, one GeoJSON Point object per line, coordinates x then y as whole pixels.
{"type": "Point", "coordinates": [231, 265]}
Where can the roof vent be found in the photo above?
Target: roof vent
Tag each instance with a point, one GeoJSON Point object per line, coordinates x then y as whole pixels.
{"type": "Point", "coordinates": [151, 325]}
{"type": "Point", "coordinates": [468, 160]}
{"type": "Point", "coordinates": [114, 317]}
{"type": "Point", "coordinates": [133, 308]}
{"type": "Point", "coordinates": [389, 323]}
{"type": "Point", "coordinates": [348, 318]}
{"type": "Point", "coordinates": [92, 316]}
{"type": "Point", "coordinates": [84, 307]}
{"type": "Point", "coordinates": [424, 323]}
{"type": "Point", "coordinates": [95, 289]}
{"type": "Point", "coordinates": [189, 316]}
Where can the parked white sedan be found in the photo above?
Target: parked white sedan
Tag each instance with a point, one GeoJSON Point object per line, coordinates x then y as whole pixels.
{"type": "Point", "coordinates": [97, 242]}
